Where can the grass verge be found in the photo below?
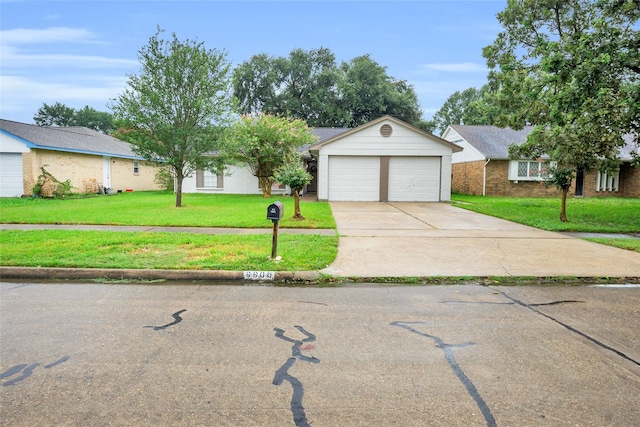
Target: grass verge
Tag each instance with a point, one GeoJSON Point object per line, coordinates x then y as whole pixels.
{"type": "Point", "coordinates": [182, 251]}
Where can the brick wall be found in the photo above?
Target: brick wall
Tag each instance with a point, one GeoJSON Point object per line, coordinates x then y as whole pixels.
{"type": "Point", "coordinates": [466, 178]}
{"type": "Point", "coordinates": [85, 171]}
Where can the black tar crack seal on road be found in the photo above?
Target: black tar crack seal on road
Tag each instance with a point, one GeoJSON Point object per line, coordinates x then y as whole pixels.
{"type": "Point", "coordinates": [177, 320]}
{"type": "Point", "coordinates": [282, 374]}
{"type": "Point", "coordinates": [451, 360]}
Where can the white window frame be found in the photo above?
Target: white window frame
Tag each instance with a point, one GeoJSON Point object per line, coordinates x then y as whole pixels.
{"type": "Point", "coordinates": [136, 167]}
{"type": "Point", "coordinates": [607, 181]}
{"type": "Point", "coordinates": [209, 179]}
{"type": "Point", "coordinates": [535, 170]}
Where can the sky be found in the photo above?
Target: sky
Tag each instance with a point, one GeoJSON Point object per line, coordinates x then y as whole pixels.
{"type": "Point", "coordinates": [81, 52]}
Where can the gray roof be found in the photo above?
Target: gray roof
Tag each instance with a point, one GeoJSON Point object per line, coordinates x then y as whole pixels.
{"type": "Point", "coordinates": [493, 142]}
{"type": "Point", "coordinates": [73, 139]}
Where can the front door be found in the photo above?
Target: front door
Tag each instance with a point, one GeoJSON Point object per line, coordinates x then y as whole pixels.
{"type": "Point", "coordinates": [579, 183]}
{"type": "Point", "coordinates": [106, 172]}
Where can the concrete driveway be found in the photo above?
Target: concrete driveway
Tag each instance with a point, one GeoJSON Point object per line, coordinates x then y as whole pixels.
{"type": "Point", "coordinates": [438, 239]}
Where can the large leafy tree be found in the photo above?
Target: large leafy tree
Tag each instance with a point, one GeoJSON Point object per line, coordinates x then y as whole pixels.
{"type": "Point", "coordinates": [302, 85]}
{"type": "Point", "coordinates": [59, 114]}
{"type": "Point", "coordinates": [172, 111]}
{"type": "Point", "coordinates": [264, 143]}
{"type": "Point", "coordinates": [308, 85]}
{"type": "Point", "coordinates": [471, 106]}
{"type": "Point", "coordinates": [570, 67]}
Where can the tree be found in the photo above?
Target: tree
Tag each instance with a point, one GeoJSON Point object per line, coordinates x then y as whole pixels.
{"type": "Point", "coordinates": [60, 115]}
{"type": "Point", "coordinates": [367, 93]}
{"type": "Point", "coordinates": [293, 174]}
{"type": "Point", "coordinates": [54, 115]}
{"type": "Point", "coordinates": [302, 86]}
{"type": "Point", "coordinates": [470, 107]}
{"type": "Point", "coordinates": [264, 143]}
{"type": "Point", "coordinates": [308, 85]}
{"type": "Point", "coordinates": [569, 67]}
{"type": "Point", "coordinates": [173, 111]}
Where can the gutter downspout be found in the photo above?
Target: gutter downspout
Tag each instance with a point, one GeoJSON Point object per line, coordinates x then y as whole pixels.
{"type": "Point", "coordinates": [484, 178]}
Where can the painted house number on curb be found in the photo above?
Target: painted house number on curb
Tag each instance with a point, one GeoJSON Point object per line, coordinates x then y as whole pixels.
{"type": "Point", "coordinates": [259, 275]}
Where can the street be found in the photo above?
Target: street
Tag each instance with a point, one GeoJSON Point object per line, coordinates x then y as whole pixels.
{"type": "Point", "coordinates": [232, 355]}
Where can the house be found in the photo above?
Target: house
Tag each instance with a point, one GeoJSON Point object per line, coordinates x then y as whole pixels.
{"type": "Point", "coordinates": [484, 167]}
{"type": "Point", "coordinates": [383, 160]}
{"type": "Point", "coordinates": [89, 159]}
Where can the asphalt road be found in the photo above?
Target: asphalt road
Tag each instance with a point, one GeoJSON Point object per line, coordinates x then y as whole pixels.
{"type": "Point", "coordinates": [216, 355]}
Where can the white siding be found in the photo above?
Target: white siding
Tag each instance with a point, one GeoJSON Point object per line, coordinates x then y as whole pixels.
{"type": "Point", "coordinates": [468, 154]}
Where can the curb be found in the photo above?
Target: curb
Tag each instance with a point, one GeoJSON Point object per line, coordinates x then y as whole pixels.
{"type": "Point", "coordinates": [149, 274]}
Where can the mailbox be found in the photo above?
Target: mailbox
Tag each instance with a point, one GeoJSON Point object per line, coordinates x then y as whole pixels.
{"type": "Point", "coordinates": [275, 211]}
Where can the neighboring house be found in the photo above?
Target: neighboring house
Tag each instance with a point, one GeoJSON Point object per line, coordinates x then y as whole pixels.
{"type": "Point", "coordinates": [89, 159]}
{"type": "Point", "coordinates": [484, 167]}
{"type": "Point", "coordinates": [383, 160]}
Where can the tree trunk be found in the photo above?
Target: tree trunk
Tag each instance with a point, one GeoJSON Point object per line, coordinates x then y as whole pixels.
{"type": "Point", "coordinates": [296, 200]}
{"type": "Point", "coordinates": [563, 209]}
{"type": "Point", "coordinates": [265, 185]}
{"type": "Point", "coordinates": [179, 179]}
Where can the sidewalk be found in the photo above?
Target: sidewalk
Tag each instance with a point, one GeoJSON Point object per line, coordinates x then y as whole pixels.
{"type": "Point", "coordinates": [400, 240]}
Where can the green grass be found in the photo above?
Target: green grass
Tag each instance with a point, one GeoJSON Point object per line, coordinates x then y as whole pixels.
{"type": "Point", "coordinates": [596, 215]}
{"type": "Point", "coordinates": [182, 251]}
{"type": "Point", "coordinates": [158, 209]}
{"type": "Point", "coordinates": [629, 244]}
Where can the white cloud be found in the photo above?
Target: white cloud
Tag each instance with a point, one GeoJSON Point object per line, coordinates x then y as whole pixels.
{"type": "Point", "coordinates": [20, 36]}
{"type": "Point", "coordinates": [22, 97]}
{"type": "Point", "coordinates": [11, 57]}
{"type": "Point", "coordinates": [461, 67]}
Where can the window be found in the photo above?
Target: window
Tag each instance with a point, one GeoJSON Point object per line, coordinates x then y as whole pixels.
{"type": "Point", "coordinates": [136, 167]}
{"type": "Point", "coordinates": [607, 181]}
{"type": "Point", "coordinates": [528, 170]}
{"type": "Point", "coordinates": [208, 179]}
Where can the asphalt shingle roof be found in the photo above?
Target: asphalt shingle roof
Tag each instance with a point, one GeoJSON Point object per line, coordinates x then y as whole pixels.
{"type": "Point", "coordinates": [493, 142]}
{"type": "Point", "coordinates": [73, 139]}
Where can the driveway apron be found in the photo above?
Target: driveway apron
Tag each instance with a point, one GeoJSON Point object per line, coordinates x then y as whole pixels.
{"type": "Point", "coordinates": [403, 239]}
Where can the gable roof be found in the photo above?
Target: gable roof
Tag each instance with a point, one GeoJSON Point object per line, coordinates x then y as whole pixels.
{"type": "Point", "coordinates": [74, 139]}
{"type": "Point", "coordinates": [349, 131]}
{"type": "Point", "coordinates": [493, 142]}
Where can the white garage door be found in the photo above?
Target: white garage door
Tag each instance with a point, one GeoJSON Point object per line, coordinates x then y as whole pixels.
{"type": "Point", "coordinates": [414, 179]}
{"type": "Point", "coordinates": [10, 174]}
{"type": "Point", "coordinates": [354, 178]}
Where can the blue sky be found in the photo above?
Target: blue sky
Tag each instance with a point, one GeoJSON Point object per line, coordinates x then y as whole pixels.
{"type": "Point", "coordinates": [80, 52]}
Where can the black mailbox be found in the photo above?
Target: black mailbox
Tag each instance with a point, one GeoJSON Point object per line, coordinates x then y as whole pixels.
{"type": "Point", "coordinates": [275, 211]}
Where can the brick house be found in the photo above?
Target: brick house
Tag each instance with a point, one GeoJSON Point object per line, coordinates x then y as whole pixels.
{"type": "Point", "coordinates": [90, 160]}
{"type": "Point", "coordinates": [484, 167]}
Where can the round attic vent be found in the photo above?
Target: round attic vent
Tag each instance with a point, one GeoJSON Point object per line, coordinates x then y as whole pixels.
{"type": "Point", "coordinates": [386, 130]}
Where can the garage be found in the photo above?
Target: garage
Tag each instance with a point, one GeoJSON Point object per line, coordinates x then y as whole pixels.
{"type": "Point", "coordinates": [384, 160]}
{"type": "Point", "coordinates": [11, 174]}
{"type": "Point", "coordinates": [354, 178]}
{"type": "Point", "coordinates": [414, 179]}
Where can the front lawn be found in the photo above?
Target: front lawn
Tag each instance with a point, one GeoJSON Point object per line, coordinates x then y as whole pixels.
{"type": "Point", "coordinates": [595, 215]}
{"type": "Point", "coordinates": [155, 208]}
{"type": "Point", "coordinates": [592, 215]}
{"type": "Point", "coordinates": [109, 249]}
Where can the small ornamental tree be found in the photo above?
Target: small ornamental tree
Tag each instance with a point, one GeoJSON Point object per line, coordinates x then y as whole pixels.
{"type": "Point", "coordinates": [172, 111]}
{"type": "Point", "coordinates": [293, 174]}
{"type": "Point", "coordinates": [264, 143]}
